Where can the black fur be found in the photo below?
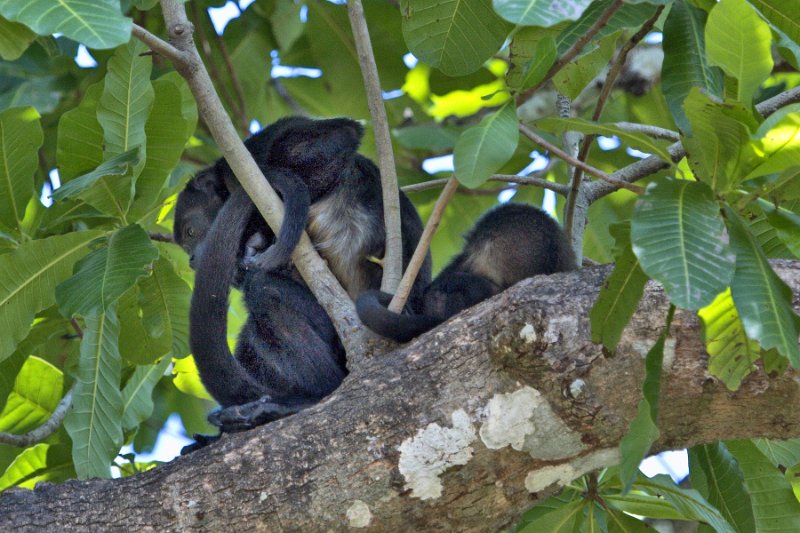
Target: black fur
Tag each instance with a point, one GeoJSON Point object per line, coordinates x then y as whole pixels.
{"type": "Point", "coordinates": [507, 244]}
{"type": "Point", "coordinates": [288, 355]}
{"type": "Point", "coordinates": [345, 219]}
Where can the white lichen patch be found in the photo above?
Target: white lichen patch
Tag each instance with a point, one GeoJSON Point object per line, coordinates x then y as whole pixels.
{"type": "Point", "coordinates": [669, 353]}
{"type": "Point", "coordinates": [525, 421]}
{"type": "Point", "coordinates": [538, 480]}
{"type": "Point", "coordinates": [577, 387]}
{"type": "Point", "coordinates": [359, 515]}
{"type": "Point", "coordinates": [424, 457]}
{"type": "Point", "coordinates": [508, 418]}
{"type": "Point", "coordinates": [528, 333]}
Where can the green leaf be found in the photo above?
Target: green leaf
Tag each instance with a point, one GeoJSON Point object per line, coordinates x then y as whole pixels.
{"type": "Point", "coordinates": [563, 519]}
{"type": "Point", "coordinates": [786, 224]}
{"type": "Point", "coordinates": [20, 139]}
{"type": "Point", "coordinates": [680, 239]}
{"type": "Point", "coordinates": [30, 276]}
{"type": "Point", "coordinates": [642, 504]}
{"type": "Point", "coordinates": [717, 477]}
{"type": "Point", "coordinates": [638, 141]}
{"type": "Point", "coordinates": [782, 453]}
{"type": "Point", "coordinates": [622, 523]}
{"type": "Point", "coordinates": [286, 24]}
{"type": "Point", "coordinates": [97, 24]}
{"type": "Point", "coordinates": [685, 65]}
{"type": "Point", "coordinates": [483, 149]}
{"type": "Point", "coordinates": [106, 273]}
{"type": "Point", "coordinates": [80, 137]}
{"type": "Point", "coordinates": [739, 42]}
{"type": "Point", "coordinates": [620, 294]}
{"type": "Point", "coordinates": [36, 393]}
{"type": "Point", "coordinates": [166, 138]}
{"type": "Point", "coordinates": [718, 148]}
{"type": "Point", "coordinates": [778, 142]}
{"type": "Point", "coordinates": [774, 506]}
{"type": "Point", "coordinates": [432, 138]}
{"type": "Point", "coordinates": [165, 306]}
{"type": "Point", "coordinates": [26, 465]}
{"type": "Point", "coordinates": [644, 429]}
{"type": "Point", "coordinates": [454, 36]}
{"type": "Point", "coordinates": [116, 166]}
{"type": "Point", "coordinates": [94, 420]}
{"type": "Point", "coordinates": [14, 39]}
{"type": "Point", "coordinates": [782, 14]}
{"type": "Point", "coordinates": [763, 300]}
{"type": "Point", "coordinates": [542, 13]}
{"type": "Point", "coordinates": [578, 74]}
{"type": "Point", "coordinates": [544, 55]}
{"type": "Point", "coordinates": [627, 16]}
{"type": "Point", "coordinates": [688, 502]}
{"type": "Point", "coordinates": [137, 396]}
{"type": "Point", "coordinates": [732, 355]}
{"type": "Point", "coordinates": [136, 343]}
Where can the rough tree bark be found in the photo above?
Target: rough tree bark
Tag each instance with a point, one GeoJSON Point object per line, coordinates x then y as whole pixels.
{"type": "Point", "coordinates": [461, 430]}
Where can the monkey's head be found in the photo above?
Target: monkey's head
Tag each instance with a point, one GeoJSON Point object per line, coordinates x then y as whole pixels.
{"type": "Point", "coordinates": [318, 150]}
{"type": "Point", "coordinates": [195, 210]}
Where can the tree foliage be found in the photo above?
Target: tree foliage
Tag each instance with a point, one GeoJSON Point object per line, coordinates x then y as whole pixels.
{"type": "Point", "coordinates": [698, 191]}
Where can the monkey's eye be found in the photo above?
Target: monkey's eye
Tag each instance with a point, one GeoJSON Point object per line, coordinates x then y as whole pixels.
{"type": "Point", "coordinates": [190, 231]}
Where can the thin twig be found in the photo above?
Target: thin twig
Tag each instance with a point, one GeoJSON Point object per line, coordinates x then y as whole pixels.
{"type": "Point", "coordinates": [418, 258]}
{"type": "Point", "coordinates": [558, 188]}
{"type": "Point", "coordinates": [393, 250]}
{"type": "Point", "coordinates": [280, 88]}
{"type": "Point", "coordinates": [241, 108]}
{"type": "Point", "coordinates": [157, 45]}
{"type": "Point", "coordinates": [574, 50]}
{"type": "Point", "coordinates": [555, 150]}
{"type": "Point", "coordinates": [49, 427]}
{"type": "Point", "coordinates": [160, 237]}
{"type": "Point", "coordinates": [651, 131]}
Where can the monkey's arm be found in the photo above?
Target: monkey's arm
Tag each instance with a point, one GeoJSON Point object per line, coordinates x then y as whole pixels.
{"type": "Point", "coordinates": [296, 203]}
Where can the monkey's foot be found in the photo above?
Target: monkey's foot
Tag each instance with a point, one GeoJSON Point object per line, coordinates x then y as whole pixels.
{"type": "Point", "coordinates": [252, 414]}
{"type": "Point", "coordinates": [200, 441]}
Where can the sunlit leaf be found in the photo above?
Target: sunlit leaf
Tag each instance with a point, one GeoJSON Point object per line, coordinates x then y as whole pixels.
{"type": "Point", "coordinates": [14, 39]}
{"type": "Point", "coordinates": [782, 14]}
{"type": "Point", "coordinates": [539, 12]}
{"type": "Point", "coordinates": [36, 393]}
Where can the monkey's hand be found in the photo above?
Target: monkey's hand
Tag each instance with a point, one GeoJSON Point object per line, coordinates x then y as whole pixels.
{"type": "Point", "coordinates": [252, 414]}
{"type": "Point", "coordinates": [270, 259]}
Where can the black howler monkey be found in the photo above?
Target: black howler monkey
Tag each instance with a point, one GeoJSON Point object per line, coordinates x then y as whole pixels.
{"type": "Point", "coordinates": [345, 217]}
{"type": "Point", "coordinates": [507, 244]}
{"type": "Point", "coordinates": [288, 355]}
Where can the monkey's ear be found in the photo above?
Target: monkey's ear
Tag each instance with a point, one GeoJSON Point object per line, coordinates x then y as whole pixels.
{"type": "Point", "coordinates": [210, 182]}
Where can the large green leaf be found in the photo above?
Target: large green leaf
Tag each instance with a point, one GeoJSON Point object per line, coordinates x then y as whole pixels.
{"type": "Point", "coordinates": [638, 141]}
{"type": "Point", "coordinates": [539, 12]}
{"type": "Point", "coordinates": [30, 276]}
{"type": "Point", "coordinates": [688, 502]}
{"type": "Point", "coordinates": [94, 420]}
{"type": "Point", "coordinates": [116, 166]}
{"type": "Point", "coordinates": [718, 148]}
{"type": "Point", "coordinates": [627, 16]}
{"type": "Point", "coordinates": [581, 72]}
{"type": "Point", "coordinates": [781, 453]}
{"type": "Point", "coordinates": [14, 39]}
{"type": "Point", "coordinates": [739, 42]}
{"type": "Point", "coordinates": [97, 24]}
{"type": "Point", "coordinates": [643, 431]}
{"type": "Point", "coordinates": [544, 55]}
{"type": "Point", "coordinates": [679, 237]}
{"type": "Point", "coordinates": [785, 223]}
{"type": "Point", "coordinates": [774, 506]}
{"type": "Point", "coordinates": [106, 273]}
{"type": "Point", "coordinates": [26, 465]}
{"type": "Point", "coordinates": [454, 36]}
{"type": "Point", "coordinates": [137, 395]}
{"type": "Point", "coordinates": [620, 294]}
{"type": "Point", "coordinates": [36, 393]}
{"type": "Point", "coordinates": [778, 142]}
{"type": "Point", "coordinates": [782, 14]}
{"type": "Point", "coordinates": [563, 519]}
{"type": "Point", "coordinates": [167, 134]}
{"type": "Point", "coordinates": [685, 65]}
{"type": "Point", "coordinates": [732, 355]}
{"type": "Point", "coordinates": [20, 139]}
{"type": "Point", "coordinates": [763, 300]}
{"type": "Point", "coordinates": [715, 474]}
{"type": "Point", "coordinates": [136, 343]}
{"type": "Point", "coordinates": [483, 149]}
{"type": "Point", "coordinates": [80, 137]}
{"type": "Point", "coordinates": [165, 306]}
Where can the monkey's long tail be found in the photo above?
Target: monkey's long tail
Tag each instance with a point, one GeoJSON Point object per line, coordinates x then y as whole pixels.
{"type": "Point", "coordinates": [223, 376]}
{"type": "Point", "coordinates": [371, 309]}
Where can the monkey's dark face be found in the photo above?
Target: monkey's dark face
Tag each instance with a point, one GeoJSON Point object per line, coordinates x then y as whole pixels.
{"type": "Point", "coordinates": [195, 211]}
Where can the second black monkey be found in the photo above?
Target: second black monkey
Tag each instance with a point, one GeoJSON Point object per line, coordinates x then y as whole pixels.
{"type": "Point", "coordinates": [507, 244]}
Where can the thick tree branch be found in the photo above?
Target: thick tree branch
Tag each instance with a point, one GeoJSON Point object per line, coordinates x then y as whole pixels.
{"type": "Point", "coordinates": [431, 420]}
{"type": "Point", "coordinates": [393, 253]}
{"type": "Point", "coordinates": [313, 269]}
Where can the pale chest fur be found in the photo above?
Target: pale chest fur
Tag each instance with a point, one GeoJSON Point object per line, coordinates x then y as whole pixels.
{"type": "Point", "coordinates": [341, 233]}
